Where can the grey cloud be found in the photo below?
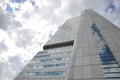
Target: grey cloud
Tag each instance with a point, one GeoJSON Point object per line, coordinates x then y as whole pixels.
{"type": "Point", "coordinates": [32, 2]}
{"type": "Point", "coordinates": [17, 62]}
{"type": "Point", "coordinates": [110, 9]}
{"type": "Point", "coordinates": [116, 13]}
{"type": "Point", "coordinates": [2, 70]}
{"type": "Point", "coordinates": [71, 9]}
{"type": "Point", "coordinates": [74, 8]}
{"type": "Point", "coordinates": [55, 4]}
{"type": "Point", "coordinates": [11, 67]}
{"type": "Point", "coordinates": [6, 70]}
{"type": "Point", "coordinates": [113, 12]}
{"type": "Point", "coordinates": [98, 5]}
{"type": "Point", "coordinates": [3, 46]}
{"type": "Point", "coordinates": [26, 15]}
{"type": "Point", "coordinates": [4, 20]}
{"type": "Point", "coordinates": [24, 38]}
{"type": "Point", "coordinates": [16, 24]}
{"type": "Point", "coordinates": [48, 13]}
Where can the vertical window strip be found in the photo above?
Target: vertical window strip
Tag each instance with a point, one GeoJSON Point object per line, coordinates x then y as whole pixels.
{"type": "Point", "coordinates": [105, 55]}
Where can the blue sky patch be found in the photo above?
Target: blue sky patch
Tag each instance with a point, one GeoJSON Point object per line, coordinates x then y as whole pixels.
{"type": "Point", "coordinates": [9, 8]}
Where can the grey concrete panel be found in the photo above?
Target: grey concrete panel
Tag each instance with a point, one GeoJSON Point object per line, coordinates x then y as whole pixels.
{"type": "Point", "coordinates": [78, 73]}
{"type": "Point", "coordinates": [79, 61]}
{"type": "Point", "coordinates": [97, 71]}
{"type": "Point", "coordinates": [86, 60]}
{"type": "Point", "coordinates": [95, 59]}
{"type": "Point", "coordinates": [79, 52]}
{"type": "Point", "coordinates": [87, 72]}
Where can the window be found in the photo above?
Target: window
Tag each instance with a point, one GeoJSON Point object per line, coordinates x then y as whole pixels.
{"type": "Point", "coordinates": [42, 52]}
{"type": "Point", "coordinates": [45, 60]}
{"type": "Point", "coordinates": [55, 65]}
{"type": "Point", "coordinates": [105, 55]}
{"type": "Point", "coordinates": [112, 70]}
{"type": "Point", "coordinates": [50, 73]}
{"type": "Point", "coordinates": [110, 66]}
{"type": "Point", "coordinates": [112, 75]}
{"type": "Point", "coordinates": [42, 56]}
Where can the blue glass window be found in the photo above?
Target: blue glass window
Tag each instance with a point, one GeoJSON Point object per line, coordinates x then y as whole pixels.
{"type": "Point", "coordinates": [42, 52]}
{"type": "Point", "coordinates": [112, 70]}
{"type": "Point", "coordinates": [112, 75]}
{"type": "Point", "coordinates": [105, 55]}
{"type": "Point", "coordinates": [45, 60]}
{"type": "Point", "coordinates": [55, 65]}
{"type": "Point", "coordinates": [53, 59]}
{"type": "Point", "coordinates": [107, 58]}
{"type": "Point", "coordinates": [42, 56]}
{"type": "Point", "coordinates": [49, 73]}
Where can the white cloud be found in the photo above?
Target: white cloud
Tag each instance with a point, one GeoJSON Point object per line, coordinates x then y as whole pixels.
{"type": "Point", "coordinates": [112, 7]}
{"type": "Point", "coordinates": [25, 31]}
{"type": "Point", "coordinates": [3, 47]}
{"type": "Point", "coordinates": [115, 16]}
{"type": "Point", "coordinates": [4, 20]}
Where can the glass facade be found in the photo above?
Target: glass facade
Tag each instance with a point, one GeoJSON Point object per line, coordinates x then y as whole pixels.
{"type": "Point", "coordinates": [48, 63]}
{"type": "Point", "coordinates": [110, 66]}
{"type": "Point", "coordinates": [48, 73]}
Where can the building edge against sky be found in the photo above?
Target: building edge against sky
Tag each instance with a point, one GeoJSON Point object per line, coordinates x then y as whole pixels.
{"type": "Point", "coordinates": [84, 48]}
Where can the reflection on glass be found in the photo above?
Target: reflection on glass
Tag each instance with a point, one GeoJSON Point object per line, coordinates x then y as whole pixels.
{"type": "Point", "coordinates": [105, 55]}
{"type": "Point", "coordinates": [112, 75]}
{"type": "Point", "coordinates": [48, 73]}
{"type": "Point", "coordinates": [108, 70]}
{"type": "Point", "coordinates": [58, 65]}
{"type": "Point", "coordinates": [50, 59]}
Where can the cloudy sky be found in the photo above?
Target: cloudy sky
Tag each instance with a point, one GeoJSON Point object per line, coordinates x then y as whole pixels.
{"type": "Point", "coordinates": [26, 25]}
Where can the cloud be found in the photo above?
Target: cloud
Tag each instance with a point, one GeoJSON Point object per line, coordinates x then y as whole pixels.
{"type": "Point", "coordinates": [7, 21]}
{"type": "Point", "coordinates": [5, 68]}
{"type": "Point", "coordinates": [16, 62]}
{"type": "Point", "coordinates": [31, 23]}
{"type": "Point", "coordinates": [10, 67]}
{"type": "Point", "coordinates": [3, 47]}
{"type": "Point", "coordinates": [110, 8]}
{"type": "Point", "coordinates": [115, 16]}
{"type": "Point", "coordinates": [3, 65]}
{"type": "Point", "coordinates": [73, 8]}
{"type": "Point", "coordinates": [4, 20]}
{"type": "Point", "coordinates": [112, 12]}
{"type": "Point", "coordinates": [23, 38]}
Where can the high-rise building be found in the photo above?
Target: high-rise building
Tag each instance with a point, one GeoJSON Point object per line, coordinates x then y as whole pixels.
{"type": "Point", "coordinates": [84, 48]}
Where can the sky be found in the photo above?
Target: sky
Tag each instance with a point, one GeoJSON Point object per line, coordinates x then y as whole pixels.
{"type": "Point", "coordinates": [26, 25]}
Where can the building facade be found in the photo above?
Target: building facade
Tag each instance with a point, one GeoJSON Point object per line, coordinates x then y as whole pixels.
{"type": "Point", "coordinates": [84, 48]}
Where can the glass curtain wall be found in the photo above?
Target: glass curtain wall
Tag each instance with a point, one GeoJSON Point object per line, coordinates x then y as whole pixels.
{"type": "Point", "coordinates": [110, 66]}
